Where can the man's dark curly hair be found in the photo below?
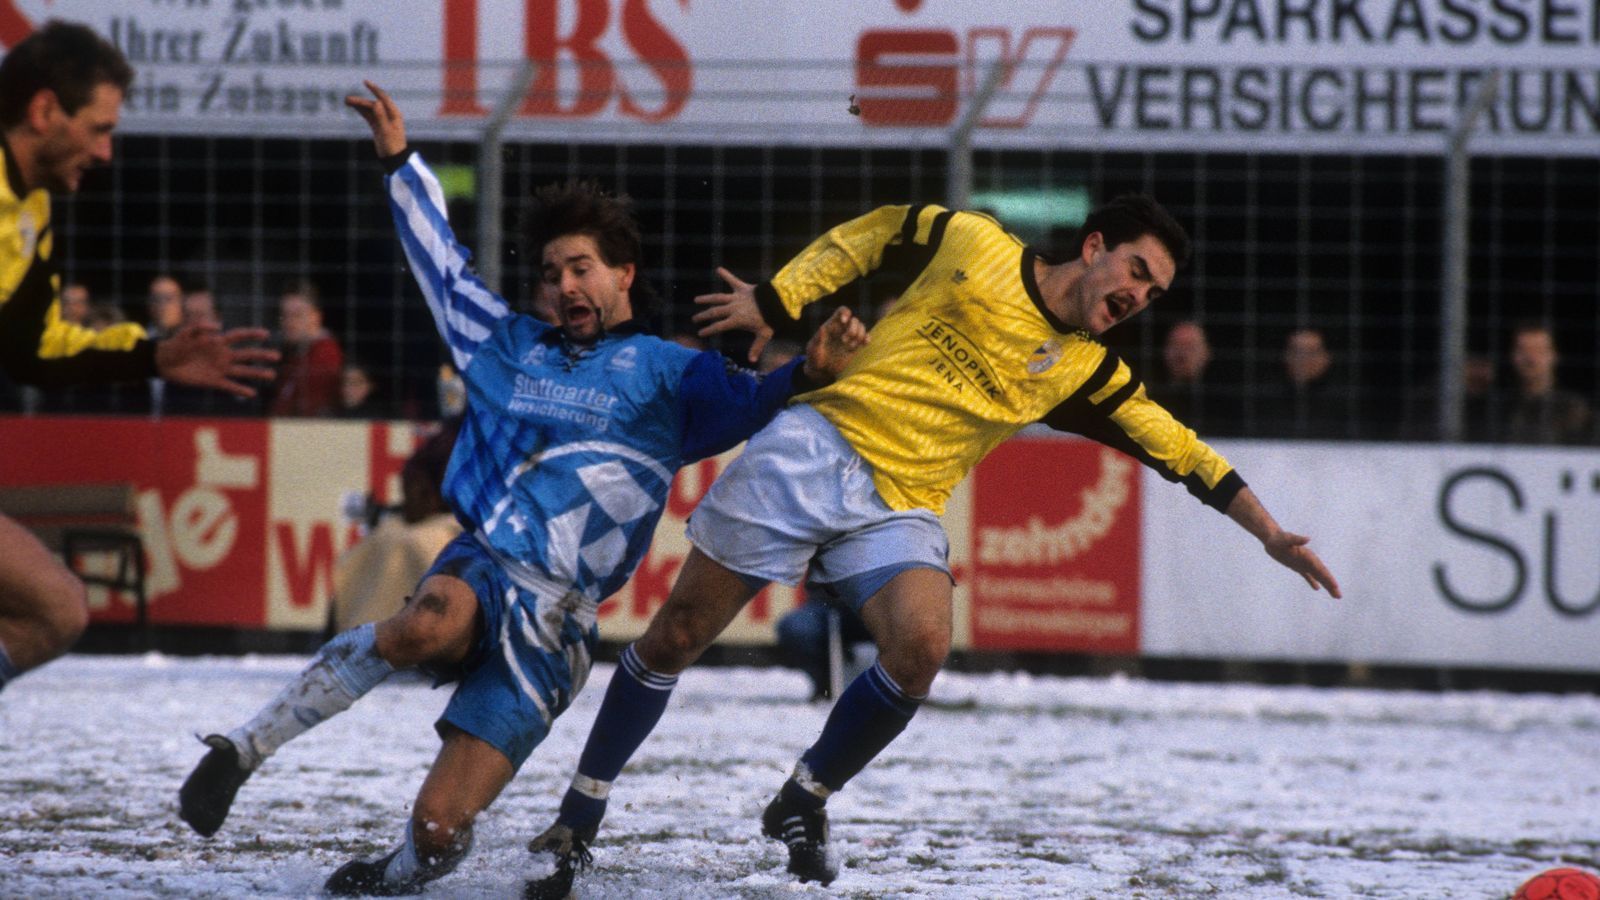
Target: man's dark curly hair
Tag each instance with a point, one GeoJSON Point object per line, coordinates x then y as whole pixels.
{"type": "Point", "coordinates": [1130, 217]}
{"type": "Point", "coordinates": [64, 57]}
{"type": "Point", "coordinates": [583, 207]}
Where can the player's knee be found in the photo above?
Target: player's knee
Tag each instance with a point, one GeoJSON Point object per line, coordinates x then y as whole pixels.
{"type": "Point", "coordinates": [63, 611]}
{"type": "Point", "coordinates": [418, 633]}
{"type": "Point", "coordinates": [672, 644]}
{"type": "Point", "coordinates": [916, 658]}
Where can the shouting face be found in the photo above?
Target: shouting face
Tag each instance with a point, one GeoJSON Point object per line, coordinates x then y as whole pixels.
{"type": "Point", "coordinates": [591, 295]}
{"type": "Point", "coordinates": [1119, 282]}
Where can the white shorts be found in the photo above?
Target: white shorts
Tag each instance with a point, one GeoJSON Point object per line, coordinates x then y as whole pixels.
{"type": "Point", "coordinates": [800, 496]}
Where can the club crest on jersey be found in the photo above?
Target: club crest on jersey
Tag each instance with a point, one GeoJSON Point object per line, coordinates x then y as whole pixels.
{"type": "Point", "coordinates": [1048, 354]}
{"type": "Point", "coordinates": [958, 276]}
{"type": "Point", "coordinates": [624, 359]}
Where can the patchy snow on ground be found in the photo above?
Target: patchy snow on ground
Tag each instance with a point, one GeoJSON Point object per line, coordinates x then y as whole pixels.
{"type": "Point", "coordinates": [1004, 786]}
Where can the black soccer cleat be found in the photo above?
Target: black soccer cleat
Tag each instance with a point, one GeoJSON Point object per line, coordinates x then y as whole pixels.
{"type": "Point", "coordinates": [207, 794]}
{"type": "Point", "coordinates": [805, 832]}
{"type": "Point", "coordinates": [364, 878]}
{"type": "Point", "coordinates": [570, 850]}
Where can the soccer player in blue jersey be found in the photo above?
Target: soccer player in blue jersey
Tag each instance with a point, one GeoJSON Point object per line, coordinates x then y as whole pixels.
{"type": "Point", "coordinates": [566, 453]}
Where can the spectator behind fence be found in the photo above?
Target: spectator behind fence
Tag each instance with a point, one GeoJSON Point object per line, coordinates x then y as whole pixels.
{"type": "Point", "coordinates": [1479, 406]}
{"type": "Point", "coordinates": [1184, 392]}
{"type": "Point", "coordinates": [1541, 411]}
{"type": "Point", "coordinates": [373, 579]}
{"type": "Point", "coordinates": [163, 306]}
{"type": "Point", "coordinates": [75, 304]}
{"type": "Point", "coordinates": [308, 380]}
{"type": "Point", "coordinates": [198, 307]}
{"type": "Point", "coordinates": [358, 393]}
{"type": "Point", "coordinates": [1309, 404]}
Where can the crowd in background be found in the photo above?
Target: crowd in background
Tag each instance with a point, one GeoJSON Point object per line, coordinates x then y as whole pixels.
{"type": "Point", "coordinates": [316, 378]}
{"type": "Point", "coordinates": [1311, 399]}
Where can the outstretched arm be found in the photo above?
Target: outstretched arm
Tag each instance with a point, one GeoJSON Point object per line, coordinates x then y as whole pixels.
{"type": "Point", "coordinates": [463, 307]}
{"type": "Point", "coordinates": [1289, 549]}
{"type": "Point", "coordinates": [848, 252]}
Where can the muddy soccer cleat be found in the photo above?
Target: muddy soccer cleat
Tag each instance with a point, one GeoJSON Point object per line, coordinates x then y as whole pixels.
{"type": "Point", "coordinates": [805, 832]}
{"type": "Point", "coordinates": [365, 878]}
{"type": "Point", "coordinates": [207, 794]}
{"type": "Point", "coordinates": [570, 856]}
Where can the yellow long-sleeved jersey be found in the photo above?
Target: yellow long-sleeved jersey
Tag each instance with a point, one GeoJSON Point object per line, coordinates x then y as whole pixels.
{"type": "Point", "coordinates": [36, 345]}
{"type": "Point", "coordinates": [967, 356]}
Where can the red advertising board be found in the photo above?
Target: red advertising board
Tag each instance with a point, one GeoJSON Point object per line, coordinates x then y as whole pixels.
{"type": "Point", "coordinates": [202, 504]}
{"type": "Point", "coordinates": [1055, 555]}
{"type": "Point", "coordinates": [240, 518]}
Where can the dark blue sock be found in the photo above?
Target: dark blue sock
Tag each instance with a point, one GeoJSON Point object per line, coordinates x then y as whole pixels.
{"type": "Point", "coordinates": [869, 715]}
{"type": "Point", "coordinates": [8, 669]}
{"type": "Point", "coordinates": [633, 705]}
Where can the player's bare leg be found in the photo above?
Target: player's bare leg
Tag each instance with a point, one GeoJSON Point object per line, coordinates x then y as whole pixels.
{"type": "Point", "coordinates": [466, 777]}
{"type": "Point", "coordinates": [910, 620]}
{"type": "Point", "coordinates": [43, 607]}
{"type": "Point", "coordinates": [704, 600]}
{"type": "Point", "coordinates": [438, 626]}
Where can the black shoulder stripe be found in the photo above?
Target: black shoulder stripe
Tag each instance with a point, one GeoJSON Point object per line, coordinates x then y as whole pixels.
{"type": "Point", "coordinates": [1102, 376]}
{"type": "Point", "coordinates": [936, 233]}
{"type": "Point", "coordinates": [908, 229]}
{"type": "Point", "coordinates": [1114, 402]}
{"type": "Point", "coordinates": [903, 262]}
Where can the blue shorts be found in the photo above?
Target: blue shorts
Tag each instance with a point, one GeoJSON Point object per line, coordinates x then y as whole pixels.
{"type": "Point", "coordinates": [799, 495]}
{"type": "Point", "coordinates": [531, 657]}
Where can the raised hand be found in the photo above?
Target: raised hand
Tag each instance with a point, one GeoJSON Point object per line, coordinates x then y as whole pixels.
{"type": "Point", "coordinates": [206, 356]}
{"type": "Point", "coordinates": [383, 117]}
{"type": "Point", "coordinates": [834, 344]}
{"type": "Point", "coordinates": [734, 310]}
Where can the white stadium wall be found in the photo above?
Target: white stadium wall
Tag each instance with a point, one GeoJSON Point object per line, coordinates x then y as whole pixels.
{"type": "Point", "coordinates": [1449, 556]}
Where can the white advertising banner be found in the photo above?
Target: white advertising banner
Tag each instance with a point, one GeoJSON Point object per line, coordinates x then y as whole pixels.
{"type": "Point", "coordinates": [1345, 76]}
{"type": "Point", "coordinates": [1447, 556]}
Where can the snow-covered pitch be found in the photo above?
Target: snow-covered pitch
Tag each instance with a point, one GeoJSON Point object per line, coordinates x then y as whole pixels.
{"type": "Point", "coordinates": [1006, 786]}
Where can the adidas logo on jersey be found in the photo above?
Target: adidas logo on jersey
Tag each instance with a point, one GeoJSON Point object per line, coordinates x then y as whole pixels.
{"type": "Point", "coordinates": [535, 355]}
{"type": "Point", "coordinates": [625, 359]}
{"type": "Point", "coordinates": [958, 276]}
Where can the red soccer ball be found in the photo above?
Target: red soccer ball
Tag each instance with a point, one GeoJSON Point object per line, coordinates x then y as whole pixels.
{"type": "Point", "coordinates": [1560, 884]}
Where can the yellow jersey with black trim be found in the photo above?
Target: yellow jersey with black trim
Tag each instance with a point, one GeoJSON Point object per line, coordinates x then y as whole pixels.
{"type": "Point", "coordinates": [36, 345]}
{"type": "Point", "coordinates": [968, 355]}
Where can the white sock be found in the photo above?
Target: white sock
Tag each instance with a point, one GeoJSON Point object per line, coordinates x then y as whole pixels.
{"type": "Point", "coordinates": [344, 669]}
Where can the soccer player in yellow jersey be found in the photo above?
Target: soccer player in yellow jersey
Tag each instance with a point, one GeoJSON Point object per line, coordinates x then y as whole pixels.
{"type": "Point", "coordinates": [986, 337]}
{"type": "Point", "coordinates": [60, 97]}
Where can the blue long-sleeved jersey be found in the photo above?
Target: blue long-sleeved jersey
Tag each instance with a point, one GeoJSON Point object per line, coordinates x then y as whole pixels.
{"type": "Point", "coordinates": [566, 454]}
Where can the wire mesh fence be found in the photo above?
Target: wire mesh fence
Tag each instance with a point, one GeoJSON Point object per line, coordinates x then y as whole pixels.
{"type": "Point", "coordinates": [1346, 245]}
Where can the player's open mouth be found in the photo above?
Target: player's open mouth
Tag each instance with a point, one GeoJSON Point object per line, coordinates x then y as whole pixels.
{"type": "Point", "coordinates": [577, 315]}
{"type": "Point", "coordinates": [1117, 307]}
